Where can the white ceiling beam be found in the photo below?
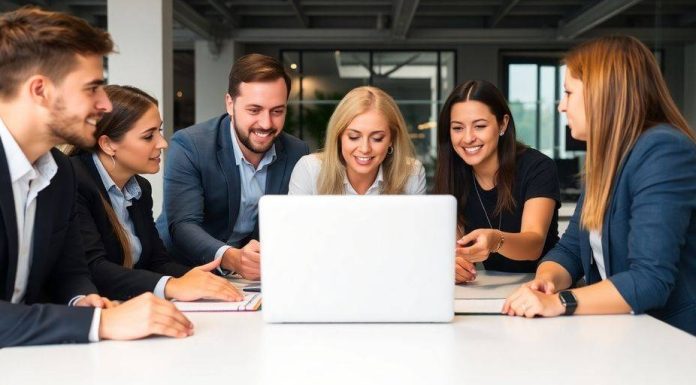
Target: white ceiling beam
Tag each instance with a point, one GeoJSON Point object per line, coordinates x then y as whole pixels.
{"type": "Point", "coordinates": [225, 12]}
{"type": "Point", "coordinates": [189, 18]}
{"type": "Point", "coordinates": [592, 17]}
{"type": "Point", "coordinates": [404, 10]}
{"type": "Point", "coordinates": [502, 12]}
{"type": "Point", "coordinates": [304, 20]}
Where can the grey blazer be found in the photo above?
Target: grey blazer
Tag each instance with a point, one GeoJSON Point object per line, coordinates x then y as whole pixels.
{"type": "Point", "coordinates": [202, 188]}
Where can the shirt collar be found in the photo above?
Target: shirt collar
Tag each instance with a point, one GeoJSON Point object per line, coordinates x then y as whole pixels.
{"type": "Point", "coordinates": [17, 162]}
{"type": "Point", "coordinates": [130, 191]}
{"type": "Point", "coordinates": [268, 158]}
{"type": "Point", "coordinates": [377, 184]}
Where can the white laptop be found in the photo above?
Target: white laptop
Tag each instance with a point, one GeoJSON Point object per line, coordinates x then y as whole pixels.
{"type": "Point", "coordinates": [357, 258]}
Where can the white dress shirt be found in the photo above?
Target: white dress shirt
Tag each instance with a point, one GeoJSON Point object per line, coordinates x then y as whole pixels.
{"type": "Point", "coordinates": [27, 181]}
{"type": "Point", "coordinates": [306, 175]}
{"type": "Point", "coordinates": [597, 253]}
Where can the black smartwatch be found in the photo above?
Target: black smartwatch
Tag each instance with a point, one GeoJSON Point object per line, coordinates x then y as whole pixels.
{"type": "Point", "coordinates": [569, 301]}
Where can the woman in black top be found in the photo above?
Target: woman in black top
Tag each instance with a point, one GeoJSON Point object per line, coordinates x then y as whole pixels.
{"type": "Point", "coordinates": [508, 194]}
{"type": "Point", "coordinates": [125, 255]}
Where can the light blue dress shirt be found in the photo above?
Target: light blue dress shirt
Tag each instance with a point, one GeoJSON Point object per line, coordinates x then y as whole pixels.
{"type": "Point", "coordinates": [121, 200]}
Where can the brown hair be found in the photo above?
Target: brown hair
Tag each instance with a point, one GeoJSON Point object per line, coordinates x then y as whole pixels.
{"type": "Point", "coordinates": [36, 41]}
{"type": "Point", "coordinates": [397, 167]}
{"type": "Point", "coordinates": [129, 105]}
{"type": "Point", "coordinates": [255, 68]}
{"type": "Point", "coordinates": [453, 175]}
{"type": "Point", "coordinates": [624, 95]}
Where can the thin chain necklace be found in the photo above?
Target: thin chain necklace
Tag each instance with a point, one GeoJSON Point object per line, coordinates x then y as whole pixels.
{"type": "Point", "coordinates": [500, 217]}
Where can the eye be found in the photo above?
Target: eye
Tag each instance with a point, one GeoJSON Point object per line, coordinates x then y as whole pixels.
{"type": "Point", "coordinates": [352, 137]}
{"type": "Point", "coordinates": [279, 112]}
{"type": "Point", "coordinates": [480, 126]}
{"type": "Point", "coordinates": [148, 137]}
{"type": "Point", "coordinates": [253, 111]}
{"type": "Point", "coordinates": [456, 128]}
{"type": "Point", "coordinates": [378, 139]}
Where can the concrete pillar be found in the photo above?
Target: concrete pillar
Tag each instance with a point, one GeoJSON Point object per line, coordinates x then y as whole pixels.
{"type": "Point", "coordinates": [213, 64]}
{"type": "Point", "coordinates": [689, 109]}
{"type": "Point", "coordinates": [142, 31]}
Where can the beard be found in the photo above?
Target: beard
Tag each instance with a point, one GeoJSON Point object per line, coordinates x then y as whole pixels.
{"type": "Point", "coordinates": [246, 141]}
{"type": "Point", "coordinates": [68, 128]}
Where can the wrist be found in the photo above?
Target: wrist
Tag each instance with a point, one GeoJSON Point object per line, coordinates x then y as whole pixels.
{"type": "Point", "coordinates": [171, 288]}
{"type": "Point", "coordinates": [230, 259]}
{"type": "Point", "coordinates": [499, 239]}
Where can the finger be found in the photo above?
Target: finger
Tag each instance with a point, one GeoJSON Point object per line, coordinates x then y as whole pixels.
{"type": "Point", "coordinates": [210, 266]}
{"type": "Point", "coordinates": [466, 265]}
{"type": "Point", "coordinates": [168, 329]}
{"type": "Point", "coordinates": [166, 308]}
{"type": "Point", "coordinates": [467, 239]}
{"type": "Point", "coordinates": [108, 304]}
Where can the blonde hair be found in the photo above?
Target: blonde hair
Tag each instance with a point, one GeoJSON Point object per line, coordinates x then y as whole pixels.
{"type": "Point", "coordinates": [397, 167]}
{"type": "Point", "coordinates": [624, 95]}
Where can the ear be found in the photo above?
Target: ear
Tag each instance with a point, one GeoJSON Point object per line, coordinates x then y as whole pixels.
{"type": "Point", "coordinates": [40, 89]}
{"type": "Point", "coordinates": [229, 104]}
{"type": "Point", "coordinates": [106, 145]}
{"type": "Point", "coordinates": [504, 125]}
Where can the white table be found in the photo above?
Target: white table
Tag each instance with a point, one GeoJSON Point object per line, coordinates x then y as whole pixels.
{"type": "Point", "coordinates": [239, 348]}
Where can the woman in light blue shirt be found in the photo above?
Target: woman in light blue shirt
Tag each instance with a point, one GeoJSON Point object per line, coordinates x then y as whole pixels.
{"type": "Point", "coordinates": [367, 151]}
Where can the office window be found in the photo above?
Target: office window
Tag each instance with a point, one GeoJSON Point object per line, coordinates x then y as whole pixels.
{"type": "Point", "coordinates": [417, 80]}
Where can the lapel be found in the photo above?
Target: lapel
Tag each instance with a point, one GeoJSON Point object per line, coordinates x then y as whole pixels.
{"type": "Point", "coordinates": [139, 227]}
{"type": "Point", "coordinates": [228, 165]}
{"type": "Point", "coordinates": [7, 210]}
{"type": "Point", "coordinates": [608, 216]}
{"type": "Point", "coordinates": [276, 170]}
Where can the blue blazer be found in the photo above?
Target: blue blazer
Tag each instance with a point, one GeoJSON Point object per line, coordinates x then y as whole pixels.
{"type": "Point", "coordinates": [649, 230]}
{"type": "Point", "coordinates": [202, 188]}
{"type": "Point", "coordinates": [58, 269]}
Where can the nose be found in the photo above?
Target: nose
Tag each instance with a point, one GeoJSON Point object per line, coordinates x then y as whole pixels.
{"type": "Point", "coordinates": [265, 120]}
{"type": "Point", "coordinates": [103, 103]}
{"type": "Point", "coordinates": [468, 136]}
{"type": "Point", "coordinates": [562, 105]}
{"type": "Point", "coordinates": [365, 147]}
{"type": "Point", "coordinates": [162, 143]}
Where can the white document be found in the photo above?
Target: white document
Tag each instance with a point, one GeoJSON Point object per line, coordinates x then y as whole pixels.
{"type": "Point", "coordinates": [251, 303]}
{"type": "Point", "coordinates": [487, 293]}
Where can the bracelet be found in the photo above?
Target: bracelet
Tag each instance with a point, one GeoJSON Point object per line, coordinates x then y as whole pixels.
{"type": "Point", "coordinates": [500, 243]}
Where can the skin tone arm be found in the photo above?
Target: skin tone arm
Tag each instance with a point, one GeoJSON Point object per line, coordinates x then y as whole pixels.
{"type": "Point", "coordinates": [539, 297]}
{"type": "Point", "coordinates": [245, 261]}
{"type": "Point", "coordinates": [523, 246]}
{"type": "Point", "coordinates": [199, 283]}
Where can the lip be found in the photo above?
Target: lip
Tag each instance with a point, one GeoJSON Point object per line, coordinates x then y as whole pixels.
{"type": "Point", "coordinates": [472, 150]}
{"type": "Point", "coordinates": [263, 134]}
{"type": "Point", "coordinates": [363, 160]}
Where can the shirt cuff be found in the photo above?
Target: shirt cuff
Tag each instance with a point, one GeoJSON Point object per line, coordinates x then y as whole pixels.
{"type": "Point", "coordinates": [218, 255]}
{"type": "Point", "coordinates": [159, 288]}
{"type": "Point", "coordinates": [74, 299]}
{"type": "Point", "coordinates": [94, 328]}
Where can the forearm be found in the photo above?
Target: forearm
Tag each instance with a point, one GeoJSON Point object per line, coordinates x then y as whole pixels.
{"type": "Point", "coordinates": [554, 272]}
{"type": "Point", "coordinates": [600, 298]}
{"type": "Point", "coordinates": [525, 246]}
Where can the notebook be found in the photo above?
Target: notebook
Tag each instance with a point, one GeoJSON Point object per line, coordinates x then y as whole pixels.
{"type": "Point", "coordinates": [488, 292]}
{"type": "Point", "coordinates": [357, 258]}
{"type": "Point", "coordinates": [251, 302]}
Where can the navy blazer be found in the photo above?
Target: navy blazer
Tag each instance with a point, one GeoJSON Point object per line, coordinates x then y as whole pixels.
{"type": "Point", "coordinates": [58, 270]}
{"type": "Point", "coordinates": [649, 230]}
{"type": "Point", "coordinates": [102, 247]}
{"type": "Point", "coordinates": [202, 188]}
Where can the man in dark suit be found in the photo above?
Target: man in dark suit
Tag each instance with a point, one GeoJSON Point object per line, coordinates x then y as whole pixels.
{"type": "Point", "coordinates": [216, 171]}
{"type": "Point", "coordinates": [51, 93]}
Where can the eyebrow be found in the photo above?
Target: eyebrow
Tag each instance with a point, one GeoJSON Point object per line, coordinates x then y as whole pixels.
{"type": "Point", "coordinates": [96, 82]}
{"type": "Point", "coordinates": [147, 130]}
{"type": "Point", "coordinates": [262, 107]}
{"type": "Point", "coordinates": [370, 133]}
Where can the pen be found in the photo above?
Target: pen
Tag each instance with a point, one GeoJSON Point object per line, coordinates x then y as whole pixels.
{"type": "Point", "coordinates": [253, 289]}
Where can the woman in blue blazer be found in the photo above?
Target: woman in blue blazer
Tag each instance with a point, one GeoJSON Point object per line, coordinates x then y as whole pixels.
{"type": "Point", "coordinates": [633, 234]}
{"type": "Point", "coordinates": [125, 254]}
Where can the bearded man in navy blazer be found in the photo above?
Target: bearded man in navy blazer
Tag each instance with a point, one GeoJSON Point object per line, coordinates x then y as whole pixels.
{"type": "Point", "coordinates": [216, 171]}
{"type": "Point", "coordinates": [51, 93]}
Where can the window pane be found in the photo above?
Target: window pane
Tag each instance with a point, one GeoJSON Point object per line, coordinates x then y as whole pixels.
{"type": "Point", "coordinates": [523, 100]}
{"type": "Point", "coordinates": [547, 104]}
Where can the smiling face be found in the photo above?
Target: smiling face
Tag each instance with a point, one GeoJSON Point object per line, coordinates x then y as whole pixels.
{"type": "Point", "coordinates": [79, 103]}
{"type": "Point", "coordinates": [258, 114]}
{"type": "Point", "coordinates": [364, 144]}
{"type": "Point", "coordinates": [474, 132]}
{"type": "Point", "coordinates": [573, 105]}
{"type": "Point", "coordinates": [139, 150]}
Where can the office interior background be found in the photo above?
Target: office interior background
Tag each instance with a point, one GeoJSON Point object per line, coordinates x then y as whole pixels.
{"type": "Point", "coordinates": [181, 51]}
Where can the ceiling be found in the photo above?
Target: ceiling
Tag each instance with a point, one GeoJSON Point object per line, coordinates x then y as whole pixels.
{"type": "Point", "coordinates": [411, 21]}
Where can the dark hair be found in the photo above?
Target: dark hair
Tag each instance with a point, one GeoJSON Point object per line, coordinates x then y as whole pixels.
{"type": "Point", "coordinates": [36, 41]}
{"type": "Point", "coordinates": [129, 105]}
{"type": "Point", "coordinates": [453, 175]}
{"type": "Point", "coordinates": [255, 68]}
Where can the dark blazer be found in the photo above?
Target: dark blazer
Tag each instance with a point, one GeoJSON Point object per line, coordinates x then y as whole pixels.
{"type": "Point", "coordinates": [649, 230]}
{"type": "Point", "coordinates": [58, 270]}
{"type": "Point", "coordinates": [202, 188]}
{"type": "Point", "coordinates": [102, 248]}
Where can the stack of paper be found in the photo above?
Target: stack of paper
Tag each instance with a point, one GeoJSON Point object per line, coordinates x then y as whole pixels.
{"type": "Point", "coordinates": [488, 292]}
{"type": "Point", "coordinates": [251, 303]}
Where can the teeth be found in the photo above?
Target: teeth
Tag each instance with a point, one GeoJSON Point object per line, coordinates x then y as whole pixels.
{"type": "Point", "coordinates": [472, 150]}
{"type": "Point", "coordinates": [364, 159]}
{"type": "Point", "coordinates": [262, 134]}
{"type": "Point", "coordinates": [92, 121]}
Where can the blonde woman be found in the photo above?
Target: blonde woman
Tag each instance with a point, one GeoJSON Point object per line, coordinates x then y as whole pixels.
{"type": "Point", "coordinates": [367, 151]}
{"type": "Point", "coordinates": [633, 234]}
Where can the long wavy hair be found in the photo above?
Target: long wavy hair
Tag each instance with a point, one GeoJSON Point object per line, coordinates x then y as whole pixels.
{"type": "Point", "coordinates": [129, 105]}
{"type": "Point", "coordinates": [453, 175]}
{"type": "Point", "coordinates": [397, 167]}
{"type": "Point", "coordinates": [624, 95]}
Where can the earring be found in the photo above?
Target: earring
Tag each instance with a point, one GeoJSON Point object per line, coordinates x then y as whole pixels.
{"type": "Point", "coordinates": [113, 160]}
{"type": "Point", "coordinates": [502, 133]}
{"type": "Point", "coordinates": [390, 150]}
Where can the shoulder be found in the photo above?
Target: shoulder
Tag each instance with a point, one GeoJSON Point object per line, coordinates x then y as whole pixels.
{"type": "Point", "coordinates": [200, 134]}
{"type": "Point", "coordinates": [662, 137]}
{"type": "Point", "coordinates": [531, 158]}
{"type": "Point", "coordinates": [661, 147]}
{"type": "Point", "coordinates": [416, 167]}
{"type": "Point", "coordinates": [293, 145]}
{"type": "Point", "coordinates": [309, 163]}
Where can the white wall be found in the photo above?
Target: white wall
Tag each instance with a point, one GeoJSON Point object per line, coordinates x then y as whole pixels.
{"type": "Point", "coordinates": [212, 74]}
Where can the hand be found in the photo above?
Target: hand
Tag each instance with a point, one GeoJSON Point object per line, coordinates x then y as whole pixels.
{"type": "Point", "coordinates": [484, 240]}
{"type": "Point", "coordinates": [245, 261]}
{"type": "Point", "coordinates": [464, 271]}
{"type": "Point", "coordinates": [542, 284]}
{"type": "Point", "coordinates": [142, 316]}
{"type": "Point", "coordinates": [529, 303]}
{"type": "Point", "coordinates": [95, 300]}
{"type": "Point", "coordinates": [199, 283]}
